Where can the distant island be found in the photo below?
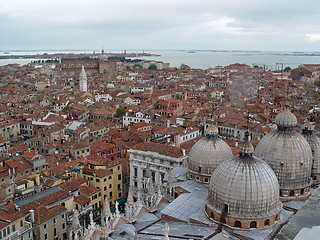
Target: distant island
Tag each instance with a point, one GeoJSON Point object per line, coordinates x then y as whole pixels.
{"type": "Point", "coordinates": [77, 55]}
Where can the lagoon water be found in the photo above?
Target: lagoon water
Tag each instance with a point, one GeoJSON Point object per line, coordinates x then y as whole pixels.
{"type": "Point", "coordinates": [200, 59]}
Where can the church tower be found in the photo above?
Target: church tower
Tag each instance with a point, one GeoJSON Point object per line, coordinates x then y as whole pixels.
{"type": "Point", "coordinates": [83, 80]}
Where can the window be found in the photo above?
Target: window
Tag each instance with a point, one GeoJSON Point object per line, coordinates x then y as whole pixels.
{"type": "Point", "coordinates": [237, 224]}
{"type": "Point", "coordinates": [8, 230]}
{"type": "Point", "coordinates": [45, 236]}
{"type": "Point", "coordinates": [267, 222]}
{"type": "Point", "coordinates": [119, 176]}
{"type": "Point", "coordinates": [110, 194]}
{"type": "Point", "coordinates": [119, 186]}
{"type": "Point", "coordinates": [119, 194]}
{"type": "Point", "coordinates": [13, 228]}
{"type": "Point", "coordinates": [63, 226]}
{"type": "Point", "coordinates": [21, 223]}
{"type": "Point", "coordinates": [110, 185]}
{"type": "Point", "coordinates": [54, 221]}
{"type": "Point", "coordinates": [105, 188]}
{"type": "Point", "coordinates": [45, 226]}
{"type": "Point", "coordinates": [253, 224]}
{"type": "Point", "coordinates": [54, 232]}
{"type": "Point", "coordinates": [62, 216]}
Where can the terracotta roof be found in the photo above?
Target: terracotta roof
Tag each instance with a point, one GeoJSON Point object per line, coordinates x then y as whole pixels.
{"type": "Point", "coordinates": [81, 200]}
{"type": "Point", "coordinates": [43, 214]}
{"type": "Point", "coordinates": [162, 149]}
{"type": "Point", "coordinates": [88, 191]}
{"type": "Point", "coordinates": [73, 185]}
{"type": "Point", "coordinates": [103, 172]}
{"type": "Point", "coordinates": [10, 213]}
{"type": "Point", "coordinates": [29, 155]}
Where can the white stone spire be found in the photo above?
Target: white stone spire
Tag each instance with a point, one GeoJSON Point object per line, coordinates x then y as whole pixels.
{"type": "Point", "coordinates": [75, 231]}
{"type": "Point", "coordinates": [166, 230]}
{"type": "Point", "coordinates": [83, 80]}
{"type": "Point", "coordinates": [106, 209]}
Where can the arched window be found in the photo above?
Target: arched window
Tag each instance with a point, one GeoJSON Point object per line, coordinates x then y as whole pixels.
{"type": "Point", "coordinates": [226, 208]}
{"type": "Point", "coordinates": [206, 180]}
{"type": "Point", "coordinates": [267, 222]}
{"type": "Point", "coordinates": [237, 224]}
{"type": "Point", "coordinates": [253, 224]}
{"type": "Point", "coordinates": [291, 193]}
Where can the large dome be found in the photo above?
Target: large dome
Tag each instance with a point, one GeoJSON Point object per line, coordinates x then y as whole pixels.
{"type": "Point", "coordinates": [246, 190]}
{"type": "Point", "coordinates": [314, 142]}
{"type": "Point", "coordinates": [289, 155]}
{"type": "Point", "coordinates": [207, 154]}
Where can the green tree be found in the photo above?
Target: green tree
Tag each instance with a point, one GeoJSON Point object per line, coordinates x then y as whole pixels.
{"type": "Point", "coordinates": [178, 96]}
{"type": "Point", "coordinates": [152, 66]}
{"type": "Point", "coordinates": [287, 69]}
{"type": "Point", "coordinates": [317, 83]}
{"type": "Point", "coordinates": [137, 66]}
{"type": "Point", "coordinates": [120, 112]}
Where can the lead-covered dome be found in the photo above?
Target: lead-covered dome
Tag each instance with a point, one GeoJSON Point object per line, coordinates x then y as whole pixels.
{"type": "Point", "coordinates": [245, 191]}
{"type": "Point", "coordinates": [207, 154]}
{"type": "Point", "coordinates": [314, 142]}
{"type": "Point", "coordinates": [286, 119]}
{"type": "Point", "coordinates": [289, 155]}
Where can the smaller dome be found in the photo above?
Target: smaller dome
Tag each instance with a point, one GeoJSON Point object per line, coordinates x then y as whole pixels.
{"type": "Point", "coordinates": [286, 119]}
{"type": "Point", "coordinates": [212, 131]}
{"type": "Point", "coordinates": [110, 86]}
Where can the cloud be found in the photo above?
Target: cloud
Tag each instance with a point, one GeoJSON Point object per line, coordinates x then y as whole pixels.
{"type": "Point", "coordinates": [315, 37]}
{"type": "Point", "coordinates": [166, 23]}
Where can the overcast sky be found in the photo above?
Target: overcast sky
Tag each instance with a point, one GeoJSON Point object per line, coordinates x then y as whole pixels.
{"type": "Point", "coordinates": [284, 25]}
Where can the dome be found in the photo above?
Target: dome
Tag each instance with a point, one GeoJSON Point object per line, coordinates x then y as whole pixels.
{"type": "Point", "coordinates": [286, 119]}
{"type": "Point", "coordinates": [206, 155]}
{"type": "Point", "coordinates": [212, 130]}
{"type": "Point", "coordinates": [110, 86]}
{"type": "Point", "coordinates": [289, 155]}
{"type": "Point", "coordinates": [314, 142]}
{"type": "Point", "coordinates": [246, 190]}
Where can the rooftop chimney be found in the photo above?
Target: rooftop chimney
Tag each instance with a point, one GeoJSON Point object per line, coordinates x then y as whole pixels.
{"type": "Point", "coordinates": [31, 215]}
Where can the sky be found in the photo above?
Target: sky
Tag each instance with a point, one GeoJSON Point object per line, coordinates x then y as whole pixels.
{"type": "Point", "coordinates": [273, 25]}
